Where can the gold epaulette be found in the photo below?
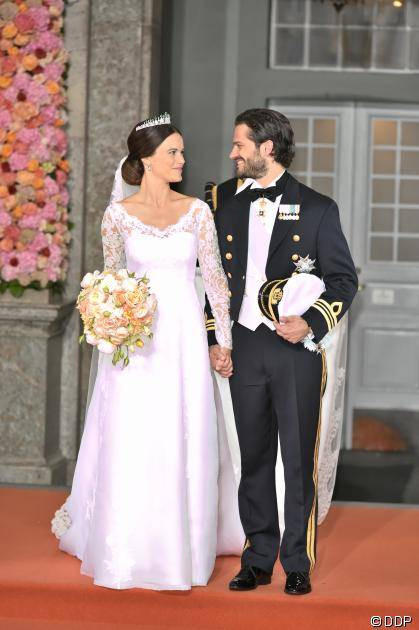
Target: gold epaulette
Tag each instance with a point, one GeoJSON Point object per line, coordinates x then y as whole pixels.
{"type": "Point", "coordinates": [214, 197]}
{"type": "Point", "coordinates": [330, 312]}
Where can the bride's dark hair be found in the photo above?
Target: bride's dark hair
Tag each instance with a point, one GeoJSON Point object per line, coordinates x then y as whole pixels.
{"type": "Point", "coordinates": [142, 144]}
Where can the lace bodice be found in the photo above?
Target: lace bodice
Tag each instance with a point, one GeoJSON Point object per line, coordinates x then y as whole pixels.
{"type": "Point", "coordinates": [118, 228]}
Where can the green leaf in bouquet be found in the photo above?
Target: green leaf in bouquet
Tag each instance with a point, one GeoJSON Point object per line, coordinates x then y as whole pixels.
{"type": "Point", "coordinates": [115, 357]}
{"type": "Point", "coordinates": [82, 338]}
{"type": "Point", "coordinates": [16, 289]}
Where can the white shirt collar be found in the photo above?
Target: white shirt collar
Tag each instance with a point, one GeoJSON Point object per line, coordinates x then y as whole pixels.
{"type": "Point", "coordinates": [254, 184]}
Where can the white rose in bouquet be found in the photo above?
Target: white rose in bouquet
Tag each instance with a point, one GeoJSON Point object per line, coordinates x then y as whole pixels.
{"type": "Point", "coordinates": [105, 346]}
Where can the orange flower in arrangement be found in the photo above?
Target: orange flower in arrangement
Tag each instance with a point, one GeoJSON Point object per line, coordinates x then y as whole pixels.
{"type": "Point", "coordinates": [33, 165]}
{"type": "Point", "coordinates": [9, 30]}
{"type": "Point", "coordinates": [5, 81]}
{"type": "Point", "coordinates": [17, 212]}
{"type": "Point", "coordinates": [10, 202]}
{"type": "Point", "coordinates": [25, 178]}
{"type": "Point", "coordinates": [11, 137]}
{"type": "Point", "coordinates": [3, 192]}
{"type": "Point", "coordinates": [13, 51]}
{"type": "Point", "coordinates": [6, 245]}
{"type": "Point", "coordinates": [21, 39]}
{"type": "Point", "coordinates": [25, 110]}
{"type": "Point", "coordinates": [64, 165]}
{"type": "Point", "coordinates": [52, 87]}
{"type": "Point", "coordinates": [59, 122]}
{"type": "Point", "coordinates": [6, 150]}
{"type": "Point", "coordinates": [38, 183]}
{"type": "Point", "coordinates": [54, 11]}
{"type": "Point", "coordinates": [29, 62]}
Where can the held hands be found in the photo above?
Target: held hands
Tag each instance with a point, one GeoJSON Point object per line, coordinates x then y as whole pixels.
{"type": "Point", "coordinates": [292, 328]}
{"type": "Point", "coordinates": [220, 359]}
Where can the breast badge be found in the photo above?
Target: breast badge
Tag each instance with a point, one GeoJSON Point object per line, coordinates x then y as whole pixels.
{"type": "Point", "coordinates": [304, 265]}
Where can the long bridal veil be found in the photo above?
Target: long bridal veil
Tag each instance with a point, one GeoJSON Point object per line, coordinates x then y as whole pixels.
{"type": "Point", "coordinates": [120, 190]}
{"type": "Point", "coordinates": [335, 344]}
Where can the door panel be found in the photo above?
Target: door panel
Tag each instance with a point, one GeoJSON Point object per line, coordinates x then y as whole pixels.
{"type": "Point", "coordinates": [367, 158]}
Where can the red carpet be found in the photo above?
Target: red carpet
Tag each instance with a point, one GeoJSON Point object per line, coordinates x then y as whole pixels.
{"type": "Point", "coordinates": [368, 564]}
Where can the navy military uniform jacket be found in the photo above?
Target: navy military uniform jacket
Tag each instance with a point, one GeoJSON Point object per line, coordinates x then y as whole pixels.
{"type": "Point", "coordinates": [317, 234]}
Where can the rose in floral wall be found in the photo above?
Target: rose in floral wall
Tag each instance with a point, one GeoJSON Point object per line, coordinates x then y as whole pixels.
{"type": "Point", "coordinates": [34, 226]}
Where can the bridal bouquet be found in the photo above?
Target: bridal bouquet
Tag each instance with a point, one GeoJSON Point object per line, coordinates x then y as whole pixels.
{"type": "Point", "coordinates": [117, 312]}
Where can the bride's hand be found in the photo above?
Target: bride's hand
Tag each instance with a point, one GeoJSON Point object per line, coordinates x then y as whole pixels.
{"type": "Point", "coordinates": [220, 359]}
{"type": "Point", "coordinates": [225, 364]}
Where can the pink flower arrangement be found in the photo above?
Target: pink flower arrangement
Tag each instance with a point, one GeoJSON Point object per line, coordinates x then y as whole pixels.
{"type": "Point", "coordinates": [34, 231]}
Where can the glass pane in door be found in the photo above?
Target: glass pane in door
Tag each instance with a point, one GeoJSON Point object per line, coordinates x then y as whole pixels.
{"type": "Point", "coordinates": [315, 152]}
{"type": "Point", "coordinates": [394, 191]}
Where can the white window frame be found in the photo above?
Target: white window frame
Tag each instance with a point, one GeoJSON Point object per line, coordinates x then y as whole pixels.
{"type": "Point", "coordinates": [306, 27]}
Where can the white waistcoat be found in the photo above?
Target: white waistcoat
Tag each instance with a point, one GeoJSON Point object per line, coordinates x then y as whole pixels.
{"type": "Point", "coordinates": [260, 231]}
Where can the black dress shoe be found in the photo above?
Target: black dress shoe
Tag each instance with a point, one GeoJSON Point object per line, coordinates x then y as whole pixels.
{"type": "Point", "coordinates": [249, 578]}
{"type": "Point", "coordinates": [298, 583]}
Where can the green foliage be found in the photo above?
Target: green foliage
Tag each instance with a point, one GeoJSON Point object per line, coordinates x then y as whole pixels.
{"type": "Point", "coordinates": [17, 290]}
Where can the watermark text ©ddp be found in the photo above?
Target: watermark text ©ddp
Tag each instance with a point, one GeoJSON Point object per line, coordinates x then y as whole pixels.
{"type": "Point", "coordinates": [390, 621]}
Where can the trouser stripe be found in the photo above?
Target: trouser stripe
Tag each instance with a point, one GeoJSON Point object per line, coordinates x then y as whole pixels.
{"type": "Point", "coordinates": [311, 528]}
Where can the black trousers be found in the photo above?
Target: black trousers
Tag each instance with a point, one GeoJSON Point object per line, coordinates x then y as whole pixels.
{"type": "Point", "coordinates": [276, 387]}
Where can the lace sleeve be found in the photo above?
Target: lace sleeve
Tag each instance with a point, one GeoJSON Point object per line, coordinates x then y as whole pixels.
{"type": "Point", "coordinates": [215, 281]}
{"type": "Point", "coordinates": [112, 241]}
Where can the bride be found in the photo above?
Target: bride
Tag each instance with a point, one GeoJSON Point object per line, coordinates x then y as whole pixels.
{"type": "Point", "coordinates": [146, 505]}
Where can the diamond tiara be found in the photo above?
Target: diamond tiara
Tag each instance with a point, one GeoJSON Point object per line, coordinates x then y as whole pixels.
{"type": "Point", "coordinates": [163, 119]}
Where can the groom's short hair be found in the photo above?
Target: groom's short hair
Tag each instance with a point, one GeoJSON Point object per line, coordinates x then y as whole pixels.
{"type": "Point", "coordinates": [268, 124]}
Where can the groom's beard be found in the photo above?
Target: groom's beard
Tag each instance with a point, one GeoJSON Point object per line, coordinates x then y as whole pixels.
{"type": "Point", "coordinates": [254, 167]}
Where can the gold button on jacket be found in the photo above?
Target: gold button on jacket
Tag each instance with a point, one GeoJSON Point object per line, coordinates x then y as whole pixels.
{"type": "Point", "coordinates": [296, 238]}
{"type": "Point", "coordinates": [229, 256]}
{"type": "Point", "coordinates": [229, 237]}
{"type": "Point", "coordinates": [294, 257]}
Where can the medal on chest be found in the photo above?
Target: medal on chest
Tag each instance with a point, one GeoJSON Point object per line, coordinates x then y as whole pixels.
{"type": "Point", "coordinates": [262, 207]}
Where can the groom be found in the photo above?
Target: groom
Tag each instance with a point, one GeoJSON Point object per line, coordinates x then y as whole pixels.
{"type": "Point", "coordinates": [270, 227]}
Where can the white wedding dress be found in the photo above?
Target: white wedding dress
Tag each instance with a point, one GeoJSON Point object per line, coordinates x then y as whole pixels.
{"type": "Point", "coordinates": [154, 497]}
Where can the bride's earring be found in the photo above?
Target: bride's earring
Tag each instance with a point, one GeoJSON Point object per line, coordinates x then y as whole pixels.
{"type": "Point", "coordinates": [148, 167]}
